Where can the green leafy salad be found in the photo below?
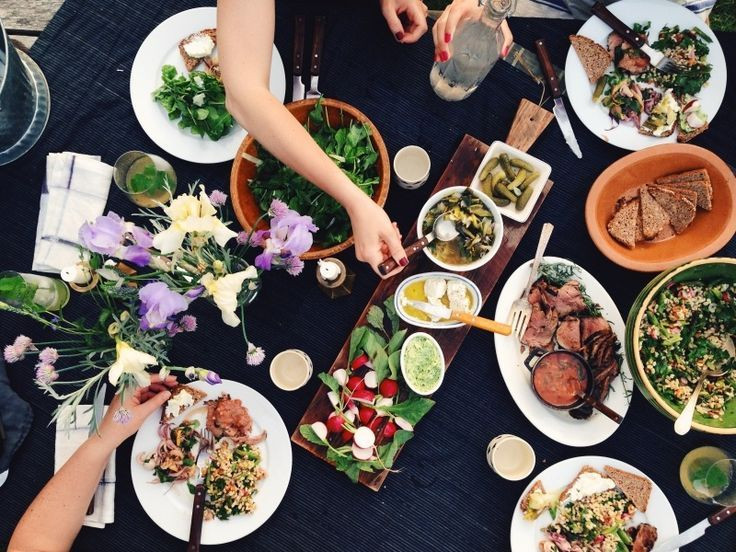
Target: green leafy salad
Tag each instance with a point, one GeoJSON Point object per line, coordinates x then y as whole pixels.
{"type": "Point", "coordinates": [349, 146]}
{"type": "Point", "coordinates": [197, 100]}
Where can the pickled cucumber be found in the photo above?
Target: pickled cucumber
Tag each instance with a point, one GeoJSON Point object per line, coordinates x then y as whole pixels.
{"type": "Point", "coordinates": [524, 198]}
{"type": "Point", "coordinates": [488, 167]}
{"type": "Point", "coordinates": [521, 164]}
{"type": "Point", "coordinates": [516, 182]}
{"type": "Point", "coordinates": [500, 201]}
{"type": "Point", "coordinates": [503, 191]}
{"type": "Point", "coordinates": [529, 180]}
{"type": "Point", "coordinates": [506, 166]}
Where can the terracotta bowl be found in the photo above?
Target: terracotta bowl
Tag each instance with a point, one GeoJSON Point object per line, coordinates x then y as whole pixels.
{"type": "Point", "coordinates": [708, 233]}
{"type": "Point", "coordinates": [340, 114]}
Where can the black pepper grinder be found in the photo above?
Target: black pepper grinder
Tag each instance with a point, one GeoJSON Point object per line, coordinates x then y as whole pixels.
{"type": "Point", "coordinates": [334, 278]}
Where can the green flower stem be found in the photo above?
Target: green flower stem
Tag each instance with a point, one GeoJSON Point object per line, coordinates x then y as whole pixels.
{"type": "Point", "coordinates": [242, 326]}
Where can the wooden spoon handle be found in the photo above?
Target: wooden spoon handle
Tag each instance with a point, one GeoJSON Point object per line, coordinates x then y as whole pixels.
{"type": "Point", "coordinates": [482, 323]}
{"type": "Point", "coordinates": [390, 264]}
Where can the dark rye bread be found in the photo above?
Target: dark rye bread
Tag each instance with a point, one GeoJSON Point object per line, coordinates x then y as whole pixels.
{"type": "Point", "coordinates": [566, 490]}
{"type": "Point", "coordinates": [637, 489]}
{"type": "Point", "coordinates": [196, 394]}
{"type": "Point", "coordinates": [680, 210]}
{"type": "Point", "coordinates": [191, 62]}
{"type": "Point", "coordinates": [653, 216]}
{"type": "Point", "coordinates": [622, 226]}
{"type": "Point", "coordinates": [683, 137]}
{"type": "Point", "coordinates": [594, 57]}
{"type": "Point", "coordinates": [690, 195]}
{"type": "Point", "coordinates": [696, 180]}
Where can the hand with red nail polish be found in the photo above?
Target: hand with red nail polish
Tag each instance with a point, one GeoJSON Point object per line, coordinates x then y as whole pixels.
{"type": "Point", "coordinates": [414, 14]}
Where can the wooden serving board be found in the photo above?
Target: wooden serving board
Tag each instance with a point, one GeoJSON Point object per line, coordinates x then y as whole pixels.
{"type": "Point", "coordinates": [459, 172]}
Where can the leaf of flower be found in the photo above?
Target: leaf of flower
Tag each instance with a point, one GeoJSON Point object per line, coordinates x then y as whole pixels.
{"type": "Point", "coordinates": [375, 317]}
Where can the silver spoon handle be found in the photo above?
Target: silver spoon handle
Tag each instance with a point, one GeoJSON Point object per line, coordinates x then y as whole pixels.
{"type": "Point", "coordinates": [685, 419]}
{"type": "Point", "coordinates": [541, 246]}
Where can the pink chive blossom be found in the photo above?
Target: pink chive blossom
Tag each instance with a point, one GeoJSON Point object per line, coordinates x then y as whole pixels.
{"type": "Point", "coordinates": [218, 198]}
{"type": "Point", "coordinates": [48, 356]}
{"type": "Point", "coordinates": [11, 354]}
{"type": "Point", "coordinates": [23, 343]}
{"type": "Point", "coordinates": [255, 355]}
{"type": "Point", "coordinates": [242, 237]}
{"type": "Point", "coordinates": [17, 351]}
{"type": "Point", "coordinates": [294, 265]}
{"type": "Point", "coordinates": [278, 208]}
{"type": "Point", "coordinates": [188, 323]}
{"type": "Point", "coordinates": [122, 416]}
{"type": "Point", "coordinates": [46, 374]}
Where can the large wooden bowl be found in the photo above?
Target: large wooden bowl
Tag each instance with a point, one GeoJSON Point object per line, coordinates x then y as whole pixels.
{"type": "Point", "coordinates": [708, 233]}
{"type": "Point", "coordinates": [339, 114]}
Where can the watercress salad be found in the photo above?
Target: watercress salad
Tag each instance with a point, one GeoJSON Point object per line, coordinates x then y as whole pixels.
{"type": "Point", "coordinates": [351, 149]}
{"type": "Point", "coordinates": [374, 413]}
{"type": "Point", "coordinates": [197, 100]}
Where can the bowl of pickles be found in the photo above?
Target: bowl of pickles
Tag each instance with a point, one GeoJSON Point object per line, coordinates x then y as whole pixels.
{"type": "Point", "coordinates": [512, 179]}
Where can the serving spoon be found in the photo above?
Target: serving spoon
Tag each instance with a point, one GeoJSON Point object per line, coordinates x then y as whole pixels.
{"type": "Point", "coordinates": [685, 420]}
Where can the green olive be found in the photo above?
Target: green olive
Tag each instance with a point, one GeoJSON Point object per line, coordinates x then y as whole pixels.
{"type": "Point", "coordinates": [521, 164]}
{"type": "Point", "coordinates": [524, 198]}
{"type": "Point", "coordinates": [516, 182]}
{"type": "Point", "coordinates": [506, 166]}
{"type": "Point", "coordinates": [488, 167]}
{"type": "Point", "coordinates": [503, 191]}
{"type": "Point", "coordinates": [529, 180]}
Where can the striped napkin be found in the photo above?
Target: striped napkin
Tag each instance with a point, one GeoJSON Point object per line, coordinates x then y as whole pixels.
{"type": "Point", "coordinates": [74, 191]}
{"type": "Point", "coordinates": [69, 436]}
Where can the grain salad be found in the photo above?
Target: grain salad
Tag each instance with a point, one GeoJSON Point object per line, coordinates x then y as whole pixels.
{"type": "Point", "coordinates": [230, 481]}
{"type": "Point", "coordinates": [683, 333]}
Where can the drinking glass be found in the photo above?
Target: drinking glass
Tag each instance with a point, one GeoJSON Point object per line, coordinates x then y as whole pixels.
{"type": "Point", "coordinates": [31, 290]}
{"type": "Point", "coordinates": [147, 179]}
{"type": "Point", "coordinates": [708, 475]}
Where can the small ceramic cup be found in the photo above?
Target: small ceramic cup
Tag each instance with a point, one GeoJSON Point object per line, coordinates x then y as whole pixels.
{"type": "Point", "coordinates": [411, 167]}
{"type": "Point", "coordinates": [511, 457]}
{"type": "Point", "coordinates": [291, 369]}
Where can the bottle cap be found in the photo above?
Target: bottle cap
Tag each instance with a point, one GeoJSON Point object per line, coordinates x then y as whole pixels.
{"type": "Point", "coordinates": [329, 270]}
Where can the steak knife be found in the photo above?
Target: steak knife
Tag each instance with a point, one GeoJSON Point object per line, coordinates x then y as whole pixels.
{"type": "Point", "coordinates": [317, 42]}
{"type": "Point", "coordinates": [559, 109]}
{"type": "Point", "coordinates": [695, 532]}
{"type": "Point", "coordinates": [298, 90]}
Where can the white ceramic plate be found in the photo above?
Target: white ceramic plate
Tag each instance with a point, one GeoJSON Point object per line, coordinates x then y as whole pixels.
{"type": "Point", "coordinates": [171, 506]}
{"type": "Point", "coordinates": [161, 47]}
{"type": "Point", "coordinates": [660, 13]}
{"type": "Point", "coordinates": [544, 170]}
{"type": "Point", "coordinates": [558, 424]}
{"type": "Point", "coordinates": [477, 300]}
{"type": "Point", "coordinates": [526, 535]}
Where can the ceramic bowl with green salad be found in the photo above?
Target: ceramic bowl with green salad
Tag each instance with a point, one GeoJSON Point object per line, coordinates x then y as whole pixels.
{"type": "Point", "coordinates": [677, 328]}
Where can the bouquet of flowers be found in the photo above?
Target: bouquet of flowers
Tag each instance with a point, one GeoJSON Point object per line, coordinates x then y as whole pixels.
{"type": "Point", "coordinates": [143, 282]}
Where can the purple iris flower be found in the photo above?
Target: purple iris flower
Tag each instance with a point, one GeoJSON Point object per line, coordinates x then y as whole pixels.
{"type": "Point", "coordinates": [193, 293]}
{"type": "Point", "coordinates": [104, 235]}
{"type": "Point", "coordinates": [289, 235]}
{"type": "Point", "coordinates": [213, 378]}
{"type": "Point", "coordinates": [158, 305]}
{"type": "Point", "coordinates": [135, 254]}
{"type": "Point", "coordinates": [141, 236]}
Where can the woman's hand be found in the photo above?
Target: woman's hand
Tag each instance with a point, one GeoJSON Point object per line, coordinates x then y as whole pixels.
{"type": "Point", "coordinates": [376, 237]}
{"type": "Point", "coordinates": [445, 27]}
{"type": "Point", "coordinates": [416, 15]}
{"type": "Point", "coordinates": [138, 406]}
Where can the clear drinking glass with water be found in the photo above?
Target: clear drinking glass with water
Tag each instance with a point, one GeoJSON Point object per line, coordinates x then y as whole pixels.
{"type": "Point", "coordinates": [708, 475]}
{"type": "Point", "coordinates": [476, 46]}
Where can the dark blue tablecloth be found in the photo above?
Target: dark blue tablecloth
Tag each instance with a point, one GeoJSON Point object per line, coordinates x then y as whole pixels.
{"type": "Point", "coordinates": [445, 497]}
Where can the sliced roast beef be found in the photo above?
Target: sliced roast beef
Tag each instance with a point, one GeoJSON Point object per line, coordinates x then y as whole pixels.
{"type": "Point", "coordinates": [569, 299]}
{"type": "Point", "coordinates": [568, 334]}
{"type": "Point", "coordinates": [593, 324]}
{"type": "Point", "coordinates": [646, 536]}
{"type": "Point", "coordinates": [541, 328]}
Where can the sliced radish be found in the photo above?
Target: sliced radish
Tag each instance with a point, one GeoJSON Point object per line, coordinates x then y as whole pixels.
{"type": "Point", "coordinates": [352, 408]}
{"type": "Point", "coordinates": [320, 430]}
{"type": "Point", "coordinates": [371, 382]}
{"type": "Point", "coordinates": [389, 387]}
{"type": "Point", "coordinates": [347, 436]}
{"type": "Point", "coordinates": [364, 437]}
{"type": "Point", "coordinates": [365, 414]}
{"type": "Point", "coordinates": [384, 401]}
{"type": "Point", "coordinates": [341, 376]}
{"type": "Point", "coordinates": [403, 424]}
{"type": "Point", "coordinates": [355, 383]}
{"type": "Point", "coordinates": [349, 415]}
{"type": "Point", "coordinates": [334, 399]}
{"type": "Point", "coordinates": [362, 453]}
{"type": "Point", "coordinates": [359, 361]}
{"type": "Point", "coordinates": [364, 396]}
{"type": "Point", "coordinates": [334, 423]}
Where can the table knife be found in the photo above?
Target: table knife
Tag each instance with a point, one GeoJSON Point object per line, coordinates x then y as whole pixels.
{"type": "Point", "coordinates": [695, 532]}
{"type": "Point", "coordinates": [298, 90]}
{"type": "Point", "coordinates": [314, 63]}
{"type": "Point", "coordinates": [559, 109]}
{"type": "Point", "coordinates": [444, 313]}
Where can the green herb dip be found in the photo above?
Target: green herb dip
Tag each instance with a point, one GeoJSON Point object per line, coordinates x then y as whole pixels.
{"type": "Point", "coordinates": [423, 368]}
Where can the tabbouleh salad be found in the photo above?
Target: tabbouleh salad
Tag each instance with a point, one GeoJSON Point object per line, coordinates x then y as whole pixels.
{"type": "Point", "coordinates": [683, 333]}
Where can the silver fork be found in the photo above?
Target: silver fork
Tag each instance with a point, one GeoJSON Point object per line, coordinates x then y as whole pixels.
{"type": "Point", "coordinates": [521, 309]}
{"type": "Point", "coordinates": [657, 59]}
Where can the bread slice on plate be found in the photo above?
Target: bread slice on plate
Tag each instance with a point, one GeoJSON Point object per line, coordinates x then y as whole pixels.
{"type": "Point", "coordinates": [622, 226]}
{"type": "Point", "coordinates": [564, 495]}
{"type": "Point", "coordinates": [594, 57]}
{"type": "Point", "coordinates": [182, 398]}
{"type": "Point", "coordinates": [696, 180]}
{"type": "Point", "coordinates": [683, 137]}
{"type": "Point", "coordinates": [690, 195]}
{"type": "Point", "coordinates": [637, 489]}
{"type": "Point", "coordinates": [191, 62]}
{"type": "Point", "coordinates": [653, 216]}
{"type": "Point", "coordinates": [680, 209]}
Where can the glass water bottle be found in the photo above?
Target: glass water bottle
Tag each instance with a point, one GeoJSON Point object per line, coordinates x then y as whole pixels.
{"type": "Point", "coordinates": [476, 46]}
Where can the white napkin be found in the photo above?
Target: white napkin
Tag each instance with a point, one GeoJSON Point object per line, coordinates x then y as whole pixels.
{"type": "Point", "coordinates": [75, 191]}
{"type": "Point", "coordinates": [68, 439]}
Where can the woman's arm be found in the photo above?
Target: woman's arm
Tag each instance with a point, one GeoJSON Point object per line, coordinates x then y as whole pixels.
{"type": "Point", "coordinates": [54, 518]}
{"type": "Point", "coordinates": [244, 38]}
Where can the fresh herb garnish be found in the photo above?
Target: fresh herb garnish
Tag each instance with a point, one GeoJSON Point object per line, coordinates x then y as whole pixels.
{"type": "Point", "coordinates": [197, 100]}
{"type": "Point", "coordinates": [558, 274]}
{"type": "Point", "coordinates": [150, 180]}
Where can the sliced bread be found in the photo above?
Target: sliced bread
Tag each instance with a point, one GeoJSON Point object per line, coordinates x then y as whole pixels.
{"type": "Point", "coordinates": [690, 195]}
{"type": "Point", "coordinates": [622, 226]}
{"type": "Point", "coordinates": [636, 488]}
{"type": "Point", "coordinates": [687, 136]}
{"type": "Point", "coordinates": [697, 181]}
{"type": "Point", "coordinates": [653, 216]}
{"type": "Point", "coordinates": [680, 210]}
{"type": "Point", "coordinates": [564, 495]}
{"type": "Point", "coordinates": [177, 403]}
{"type": "Point", "coordinates": [594, 57]}
{"type": "Point", "coordinates": [191, 62]}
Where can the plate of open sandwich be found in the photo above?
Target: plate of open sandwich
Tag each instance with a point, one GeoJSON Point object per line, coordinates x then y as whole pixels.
{"type": "Point", "coordinates": [227, 436]}
{"type": "Point", "coordinates": [661, 207]}
{"type": "Point", "coordinates": [176, 90]}
{"type": "Point", "coordinates": [625, 101]}
{"type": "Point", "coordinates": [574, 328]}
{"type": "Point", "coordinates": [591, 504]}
